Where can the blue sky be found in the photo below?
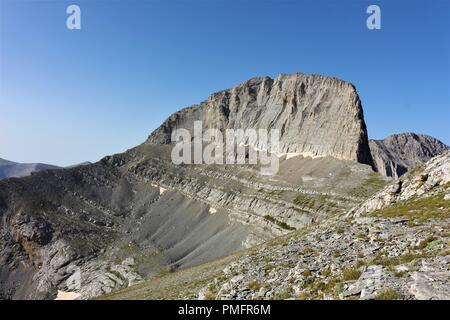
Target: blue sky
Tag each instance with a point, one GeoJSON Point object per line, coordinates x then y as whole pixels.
{"type": "Point", "coordinates": [68, 96]}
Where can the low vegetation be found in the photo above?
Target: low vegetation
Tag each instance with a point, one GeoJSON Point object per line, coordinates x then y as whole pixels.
{"type": "Point", "coordinates": [279, 223]}
{"type": "Point", "coordinates": [420, 210]}
{"type": "Point", "coordinates": [388, 294]}
{"type": "Point", "coordinates": [351, 274]}
{"type": "Point", "coordinates": [320, 202]}
{"type": "Point", "coordinates": [373, 183]}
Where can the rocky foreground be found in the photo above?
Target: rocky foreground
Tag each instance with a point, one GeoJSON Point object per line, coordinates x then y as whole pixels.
{"type": "Point", "coordinates": [394, 246]}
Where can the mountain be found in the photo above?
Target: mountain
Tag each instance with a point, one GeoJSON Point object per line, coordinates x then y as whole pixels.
{"type": "Point", "coordinates": [393, 246]}
{"type": "Point", "coordinates": [316, 115]}
{"type": "Point", "coordinates": [396, 154]}
{"type": "Point", "coordinates": [94, 229]}
{"type": "Point", "coordinates": [13, 169]}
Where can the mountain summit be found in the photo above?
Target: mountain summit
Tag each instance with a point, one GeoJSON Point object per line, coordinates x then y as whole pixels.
{"type": "Point", "coordinates": [317, 116]}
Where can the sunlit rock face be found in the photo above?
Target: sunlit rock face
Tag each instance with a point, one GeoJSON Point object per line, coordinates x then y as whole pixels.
{"type": "Point", "coordinates": [316, 115]}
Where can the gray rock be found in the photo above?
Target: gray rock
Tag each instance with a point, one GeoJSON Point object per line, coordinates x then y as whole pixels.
{"type": "Point", "coordinates": [398, 153]}
{"type": "Point", "coordinates": [317, 116]}
{"type": "Point", "coordinates": [433, 176]}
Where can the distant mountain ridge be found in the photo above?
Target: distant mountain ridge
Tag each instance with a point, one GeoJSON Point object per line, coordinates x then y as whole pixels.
{"type": "Point", "coordinates": [11, 169]}
{"type": "Point", "coordinates": [396, 154]}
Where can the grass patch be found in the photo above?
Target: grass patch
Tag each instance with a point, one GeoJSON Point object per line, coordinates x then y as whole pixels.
{"type": "Point", "coordinates": [284, 294]}
{"type": "Point", "coordinates": [326, 272]}
{"type": "Point", "coordinates": [210, 295]}
{"type": "Point", "coordinates": [389, 294]}
{"type": "Point", "coordinates": [254, 285]}
{"type": "Point", "coordinates": [304, 200]}
{"type": "Point", "coordinates": [418, 210]}
{"type": "Point", "coordinates": [351, 274]}
{"type": "Point", "coordinates": [337, 254]}
{"type": "Point", "coordinates": [360, 263]}
{"type": "Point", "coordinates": [424, 243]}
{"type": "Point", "coordinates": [373, 183]}
{"type": "Point", "coordinates": [389, 262]}
{"type": "Point", "coordinates": [316, 202]}
{"type": "Point", "coordinates": [165, 271]}
{"type": "Point", "coordinates": [306, 273]}
{"type": "Point", "coordinates": [401, 274]}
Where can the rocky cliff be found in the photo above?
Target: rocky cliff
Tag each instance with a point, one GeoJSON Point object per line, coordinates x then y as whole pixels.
{"type": "Point", "coordinates": [396, 154]}
{"type": "Point", "coordinates": [316, 115]}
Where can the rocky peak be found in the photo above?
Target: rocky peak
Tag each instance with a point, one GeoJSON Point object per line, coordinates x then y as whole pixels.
{"type": "Point", "coordinates": [398, 153]}
{"type": "Point", "coordinates": [316, 115]}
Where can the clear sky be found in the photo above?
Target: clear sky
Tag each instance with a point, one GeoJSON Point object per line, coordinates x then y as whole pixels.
{"type": "Point", "coordinates": [68, 96]}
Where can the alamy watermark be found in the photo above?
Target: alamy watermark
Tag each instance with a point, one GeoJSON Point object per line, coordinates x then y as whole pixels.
{"type": "Point", "coordinates": [373, 22]}
{"type": "Point", "coordinates": [234, 146]}
{"type": "Point", "coordinates": [73, 21]}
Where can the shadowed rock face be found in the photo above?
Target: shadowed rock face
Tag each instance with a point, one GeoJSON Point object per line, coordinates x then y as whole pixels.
{"type": "Point", "coordinates": [398, 153]}
{"type": "Point", "coordinates": [316, 115]}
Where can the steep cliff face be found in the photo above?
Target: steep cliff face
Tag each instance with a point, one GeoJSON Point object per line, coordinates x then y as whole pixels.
{"type": "Point", "coordinates": [396, 154]}
{"type": "Point", "coordinates": [316, 115]}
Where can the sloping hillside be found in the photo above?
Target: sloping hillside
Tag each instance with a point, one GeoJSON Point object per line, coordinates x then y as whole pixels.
{"type": "Point", "coordinates": [394, 246]}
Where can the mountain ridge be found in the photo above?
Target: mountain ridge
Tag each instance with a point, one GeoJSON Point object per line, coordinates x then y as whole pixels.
{"type": "Point", "coordinates": [11, 169]}
{"type": "Point", "coordinates": [394, 155]}
{"type": "Point", "coordinates": [136, 214]}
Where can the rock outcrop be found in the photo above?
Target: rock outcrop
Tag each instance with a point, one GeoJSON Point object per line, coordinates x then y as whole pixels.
{"type": "Point", "coordinates": [425, 181]}
{"type": "Point", "coordinates": [317, 116]}
{"type": "Point", "coordinates": [396, 154]}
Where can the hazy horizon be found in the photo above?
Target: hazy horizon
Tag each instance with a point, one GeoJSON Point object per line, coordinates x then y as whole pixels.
{"type": "Point", "coordinates": [69, 96]}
